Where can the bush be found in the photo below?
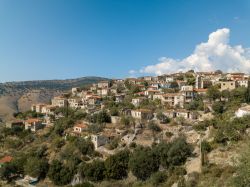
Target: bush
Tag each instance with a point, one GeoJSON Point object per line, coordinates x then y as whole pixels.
{"type": "Point", "coordinates": [158, 178]}
{"type": "Point", "coordinates": [143, 162]}
{"type": "Point", "coordinates": [36, 167]}
{"type": "Point", "coordinates": [205, 147]}
{"type": "Point", "coordinates": [59, 174]}
{"type": "Point", "coordinates": [95, 171]}
{"type": "Point", "coordinates": [117, 165]}
{"type": "Point", "coordinates": [218, 107]}
{"type": "Point", "coordinates": [84, 184]}
{"type": "Point", "coordinates": [178, 152]}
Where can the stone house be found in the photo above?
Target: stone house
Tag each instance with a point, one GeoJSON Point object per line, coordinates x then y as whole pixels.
{"type": "Point", "coordinates": [104, 84]}
{"type": "Point", "coordinates": [15, 123]}
{"type": "Point", "coordinates": [99, 140]}
{"type": "Point", "coordinates": [37, 108]}
{"type": "Point", "coordinates": [188, 92]}
{"type": "Point", "coordinates": [227, 85]}
{"type": "Point", "coordinates": [142, 114]}
{"type": "Point", "coordinates": [137, 101]}
{"type": "Point", "coordinates": [33, 124]}
{"type": "Point", "coordinates": [59, 101]}
{"type": "Point", "coordinates": [173, 99]}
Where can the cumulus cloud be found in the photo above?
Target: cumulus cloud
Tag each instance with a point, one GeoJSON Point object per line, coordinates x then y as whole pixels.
{"type": "Point", "coordinates": [214, 54]}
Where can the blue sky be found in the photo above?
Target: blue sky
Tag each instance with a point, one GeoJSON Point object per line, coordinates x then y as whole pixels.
{"type": "Point", "coordinates": [59, 39]}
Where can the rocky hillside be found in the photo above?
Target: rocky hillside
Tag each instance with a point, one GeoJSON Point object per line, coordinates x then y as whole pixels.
{"type": "Point", "coordinates": [18, 96]}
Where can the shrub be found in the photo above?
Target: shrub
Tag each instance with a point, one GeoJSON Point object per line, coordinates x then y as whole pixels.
{"type": "Point", "coordinates": [117, 165]}
{"type": "Point", "coordinates": [143, 162]}
{"type": "Point", "coordinates": [158, 178]}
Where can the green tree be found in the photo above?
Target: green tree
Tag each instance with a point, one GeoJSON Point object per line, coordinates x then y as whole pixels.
{"type": "Point", "coordinates": [218, 107]}
{"type": "Point", "coordinates": [95, 171]}
{"type": "Point", "coordinates": [242, 175]}
{"type": "Point", "coordinates": [154, 127]}
{"type": "Point", "coordinates": [117, 165]}
{"type": "Point", "coordinates": [59, 174]}
{"type": "Point", "coordinates": [158, 178]}
{"type": "Point", "coordinates": [163, 119]}
{"type": "Point", "coordinates": [143, 162]}
{"type": "Point", "coordinates": [179, 151]}
{"type": "Point", "coordinates": [213, 93]}
{"type": "Point", "coordinates": [36, 167]}
{"type": "Point", "coordinates": [161, 150]}
{"type": "Point", "coordinates": [7, 171]}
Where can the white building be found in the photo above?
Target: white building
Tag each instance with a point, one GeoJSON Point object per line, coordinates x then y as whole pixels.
{"type": "Point", "coordinates": [243, 111]}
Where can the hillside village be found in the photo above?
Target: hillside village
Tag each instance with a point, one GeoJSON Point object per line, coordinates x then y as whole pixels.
{"type": "Point", "coordinates": [116, 115]}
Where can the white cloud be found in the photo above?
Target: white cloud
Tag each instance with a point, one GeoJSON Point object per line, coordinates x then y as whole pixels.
{"type": "Point", "coordinates": [214, 54]}
{"type": "Point", "coordinates": [132, 72]}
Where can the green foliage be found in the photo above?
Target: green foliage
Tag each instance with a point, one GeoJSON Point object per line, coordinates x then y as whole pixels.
{"type": "Point", "coordinates": [213, 93]}
{"type": "Point", "coordinates": [117, 165]}
{"type": "Point", "coordinates": [143, 162]}
{"type": "Point", "coordinates": [196, 104]}
{"type": "Point", "coordinates": [178, 152]}
{"type": "Point", "coordinates": [13, 168]}
{"type": "Point", "coordinates": [174, 153]}
{"type": "Point", "coordinates": [62, 124]}
{"type": "Point", "coordinates": [95, 128]}
{"type": "Point", "coordinates": [231, 130]}
{"type": "Point", "coordinates": [114, 111]}
{"type": "Point", "coordinates": [158, 178]}
{"type": "Point", "coordinates": [242, 176]}
{"type": "Point", "coordinates": [218, 107]}
{"type": "Point", "coordinates": [202, 125]}
{"type": "Point", "coordinates": [84, 184]}
{"type": "Point", "coordinates": [134, 89]}
{"type": "Point", "coordinates": [86, 147]}
{"type": "Point", "coordinates": [162, 150]}
{"type": "Point", "coordinates": [100, 117]}
{"type": "Point", "coordinates": [113, 143]}
{"type": "Point", "coordinates": [7, 171]}
{"type": "Point", "coordinates": [154, 127]}
{"type": "Point", "coordinates": [191, 81]}
{"type": "Point", "coordinates": [59, 174]}
{"type": "Point", "coordinates": [238, 94]}
{"type": "Point", "coordinates": [95, 171]}
{"type": "Point", "coordinates": [27, 114]}
{"type": "Point", "coordinates": [36, 167]}
{"type": "Point", "coordinates": [205, 147]}
{"type": "Point", "coordinates": [127, 121]}
{"type": "Point", "coordinates": [163, 119]}
{"type": "Point", "coordinates": [151, 104]}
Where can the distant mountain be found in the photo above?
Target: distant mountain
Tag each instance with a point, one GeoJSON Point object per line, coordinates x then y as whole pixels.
{"type": "Point", "coordinates": [18, 96]}
{"type": "Point", "coordinates": [48, 84]}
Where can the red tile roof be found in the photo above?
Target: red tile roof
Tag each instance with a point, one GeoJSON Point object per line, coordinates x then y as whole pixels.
{"type": "Point", "coordinates": [81, 125]}
{"type": "Point", "coordinates": [6, 159]}
{"type": "Point", "coordinates": [33, 120]}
